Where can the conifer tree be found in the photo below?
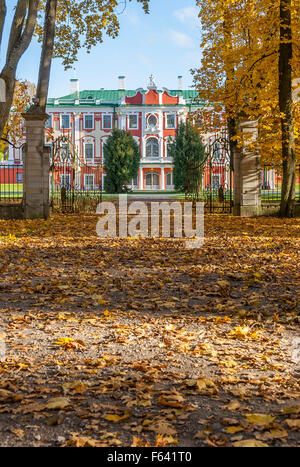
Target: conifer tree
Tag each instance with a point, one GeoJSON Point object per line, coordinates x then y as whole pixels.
{"type": "Point", "coordinates": [188, 153]}
{"type": "Point", "coordinates": [121, 161]}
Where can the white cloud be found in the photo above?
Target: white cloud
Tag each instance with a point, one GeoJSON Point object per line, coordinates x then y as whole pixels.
{"type": "Point", "coordinates": [187, 15]}
{"type": "Point", "coordinates": [144, 59]}
{"type": "Point", "coordinates": [133, 19]}
{"type": "Point", "coordinates": [181, 39]}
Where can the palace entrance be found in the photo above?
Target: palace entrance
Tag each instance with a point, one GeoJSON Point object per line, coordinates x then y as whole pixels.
{"type": "Point", "coordinates": [152, 181]}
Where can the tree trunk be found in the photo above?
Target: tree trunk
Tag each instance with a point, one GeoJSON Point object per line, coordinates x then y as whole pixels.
{"type": "Point", "coordinates": [21, 33]}
{"type": "Point", "coordinates": [2, 17]}
{"type": "Point", "coordinates": [285, 105]}
{"type": "Point", "coordinates": [232, 131]}
{"type": "Point", "coordinates": [10, 81]}
{"type": "Point", "coordinates": [47, 53]}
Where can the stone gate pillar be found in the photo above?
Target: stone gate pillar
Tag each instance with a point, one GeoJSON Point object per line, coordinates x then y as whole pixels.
{"type": "Point", "coordinates": [247, 174]}
{"type": "Point", "coordinates": [36, 166]}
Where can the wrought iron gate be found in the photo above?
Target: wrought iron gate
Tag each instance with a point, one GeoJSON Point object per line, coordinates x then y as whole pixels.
{"type": "Point", "coordinates": [212, 180]}
{"type": "Point", "coordinates": [75, 185]}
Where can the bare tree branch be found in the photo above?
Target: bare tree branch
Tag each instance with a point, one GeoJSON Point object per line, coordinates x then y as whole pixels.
{"type": "Point", "coordinates": [2, 17]}
{"type": "Point", "coordinates": [17, 25]}
{"type": "Point", "coordinates": [20, 39]}
{"type": "Point", "coordinates": [47, 54]}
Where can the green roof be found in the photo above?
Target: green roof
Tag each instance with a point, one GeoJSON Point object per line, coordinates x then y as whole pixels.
{"type": "Point", "coordinates": [111, 97]}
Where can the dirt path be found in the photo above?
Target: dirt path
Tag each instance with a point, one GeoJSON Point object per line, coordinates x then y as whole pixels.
{"type": "Point", "coordinates": [143, 342]}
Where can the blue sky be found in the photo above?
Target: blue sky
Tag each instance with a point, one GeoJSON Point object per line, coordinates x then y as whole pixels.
{"type": "Point", "coordinates": [165, 43]}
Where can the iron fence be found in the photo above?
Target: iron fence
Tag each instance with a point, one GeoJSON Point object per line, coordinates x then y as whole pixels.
{"type": "Point", "coordinates": [212, 180]}
{"type": "Point", "coordinates": [271, 183]}
{"type": "Point", "coordinates": [75, 188]}
{"type": "Point", "coordinates": [11, 183]}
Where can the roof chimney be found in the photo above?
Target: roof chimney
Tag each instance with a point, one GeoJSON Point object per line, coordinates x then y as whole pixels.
{"type": "Point", "coordinates": [122, 86]}
{"type": "Point", "coordinates": [180, 85]}
{"type": "Point", "coordinates": [74, 86]}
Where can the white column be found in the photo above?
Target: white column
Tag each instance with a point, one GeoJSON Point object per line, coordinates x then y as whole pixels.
{"type": "Point", "coordinates": [122, 121]}
{"type": "Point", "coordinates": [161, 140]}
{"type": "Point", "coordinates": [143, 147]}
{"type": "Point", "coordinates": [141, 178]}
{"type": "Point", "coordinates": [77, 146]}
{"type": "Point", "coordinates": [77, 131]}
{"type": "Point", "coordinates": [163, 178]}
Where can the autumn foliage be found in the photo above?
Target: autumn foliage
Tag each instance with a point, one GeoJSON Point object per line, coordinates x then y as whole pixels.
{"type": "Point", "coordinates": [239, 69]}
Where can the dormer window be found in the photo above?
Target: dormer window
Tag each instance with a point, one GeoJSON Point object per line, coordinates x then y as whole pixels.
{"type": "Point", "coordinates": [152, 121]}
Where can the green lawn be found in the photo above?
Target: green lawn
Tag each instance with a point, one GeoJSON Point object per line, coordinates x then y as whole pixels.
{"type": "Point", "coordinates": [11, 187]}
{"type": "Point", "coordinates": [11, 190]}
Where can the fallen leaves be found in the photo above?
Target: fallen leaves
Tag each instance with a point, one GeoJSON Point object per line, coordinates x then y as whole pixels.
{"type": "Point", "coordinates": [118, 339]}
{"type": "Point", "coordinates": [70, 344]}
{"type": "Point", "coordinates": [260, 419]}
{"type": "Point", "coordinates": [162, 427]}
{"type": "Point", "coordinates": [58, 403]}
{"type": "Point", "coordinates": [233, 406]}
{"type": "Point", "coordinates": [249, 443]}
{"type": "Point", "coordinates": [244, 332]}
{"type": "Point", "coordinates": [117, 418]}
{"type": "Point", "coordinates": [234, 429]}
{"type": "Point", "coordinates": [293, 424]}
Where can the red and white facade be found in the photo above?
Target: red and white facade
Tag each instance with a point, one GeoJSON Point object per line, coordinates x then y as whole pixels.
{"type": "Point", "coordinates": [152, 117]}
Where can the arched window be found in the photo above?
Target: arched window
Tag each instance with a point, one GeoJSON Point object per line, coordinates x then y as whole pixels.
{"type": "Point", "coordinates": [152, 148]}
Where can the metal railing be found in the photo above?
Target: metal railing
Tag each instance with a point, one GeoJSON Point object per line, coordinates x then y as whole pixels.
{"type": "Point", "coordinates": [271, 183]}
{"type": "Point", "coordinates": [11, 183]}
{"type": "Point", "coordinates": [75, 189]}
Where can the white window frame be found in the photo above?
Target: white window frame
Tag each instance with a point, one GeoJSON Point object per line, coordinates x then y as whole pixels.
{"type": "Point", "coordinates": [61, 120]}
{"type": "Point", "coordinates": [103, 141]}
{"type": "Point", "coordinates": [66, 176]}
{"type": "Point", "coordinates": [213, 180]}
{"type": "Point", "coordinates": [158, 146]}
{"type": "Point", "coordinates": [84, 181]}
{"type": "Point", "coordinates": [50, 124]}
{"type": "Point", "coordinates": [93, 151]}
{"type": "Point", "coordinates": [157, 121]}
{"type": "Point", "coordinates": [169, 173]}
{"type": "Point", "coordinates": [170, 140]}
{"type": "Point", "coordinates": [152, 186]}
{"type": "Point", "coordinates": [111, 121]}
{"type": "Point", "coordinates": [65, 147]}
{"type": "Point", "coordinates": [93, 121]}
{"type": "Point", "coordinates": [137, 122]}
{"type": "Point", "coordinates": [166, 117]}
{"type": "Point", "coordinates": [135, 185]}
{"type": "Point", "coordinates": [19, 174]}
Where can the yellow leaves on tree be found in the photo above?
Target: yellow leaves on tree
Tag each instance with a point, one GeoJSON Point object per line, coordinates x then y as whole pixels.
{"type": "Point", "coordinates": [238, 76]}
{"type": "Point", "coordinates": [24, 92]}
{"type": "Point", "coordinates": [82, 24]}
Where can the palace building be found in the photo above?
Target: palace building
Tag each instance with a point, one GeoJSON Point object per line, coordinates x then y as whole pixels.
{"type": "Point", "coordinates": [87, 118]}
{"type": "Point", "coordinates": [151, 115]}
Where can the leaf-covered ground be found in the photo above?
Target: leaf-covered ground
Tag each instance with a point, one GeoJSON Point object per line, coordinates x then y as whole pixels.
{"type": "Point", "coordinates": [145, 343]}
